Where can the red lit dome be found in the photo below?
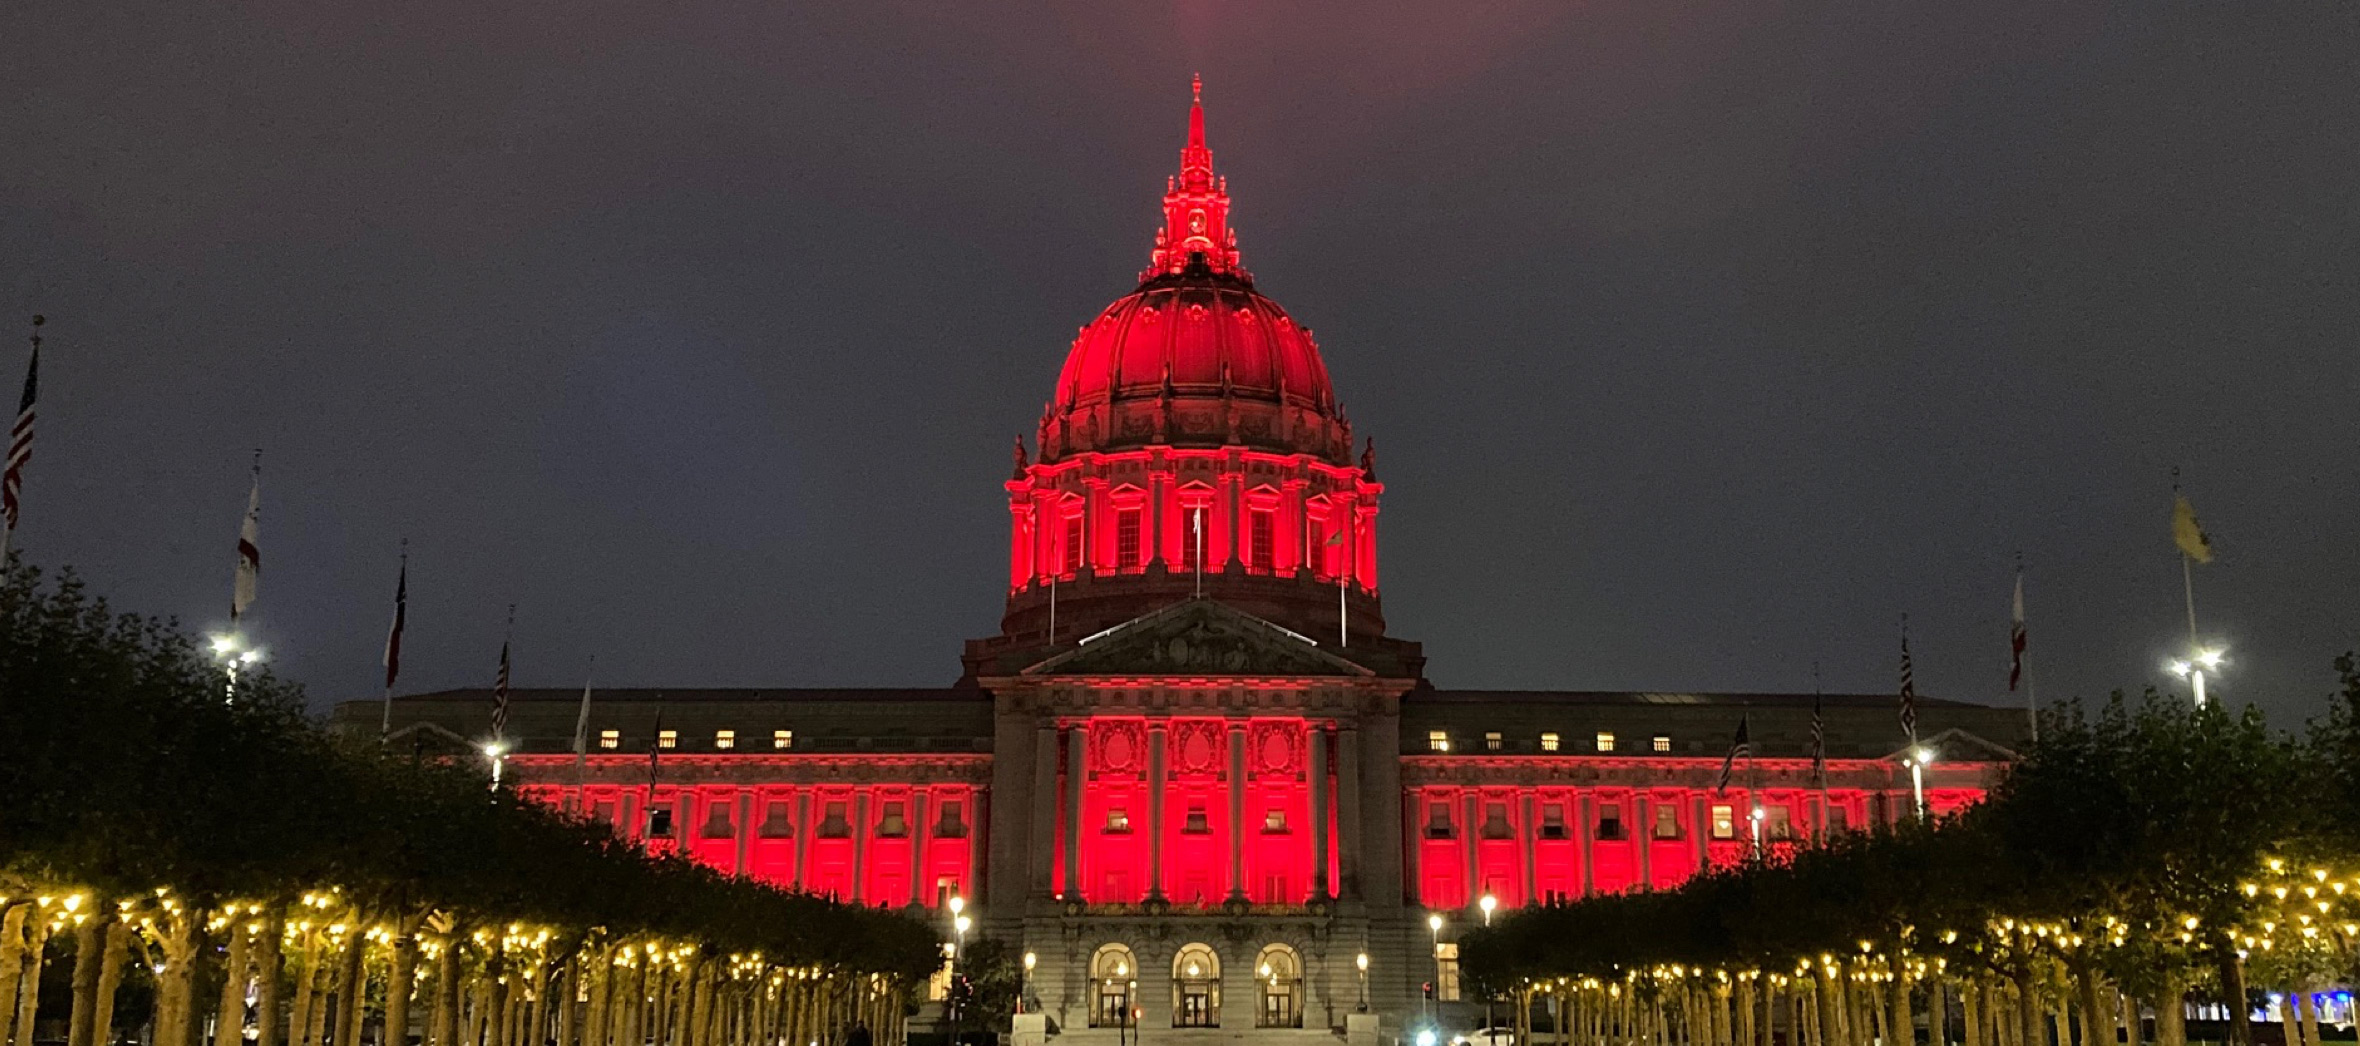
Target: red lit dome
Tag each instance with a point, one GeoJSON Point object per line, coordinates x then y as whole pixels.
{"type": "Point", "coordinates": [1195, 357]}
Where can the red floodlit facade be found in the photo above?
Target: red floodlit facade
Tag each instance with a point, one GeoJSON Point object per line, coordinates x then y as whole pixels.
{"type": "Point", "coordinates": [1192, 773]}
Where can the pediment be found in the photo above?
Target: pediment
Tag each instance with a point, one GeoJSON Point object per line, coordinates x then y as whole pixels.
{"type": "Point", "coordinates": [1957, 744]}
{"type": "Point", "coordinates": [1199, 637]}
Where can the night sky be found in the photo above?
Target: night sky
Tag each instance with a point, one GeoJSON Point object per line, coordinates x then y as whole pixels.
{"type": "Point", "coordinates": [1701, 340]}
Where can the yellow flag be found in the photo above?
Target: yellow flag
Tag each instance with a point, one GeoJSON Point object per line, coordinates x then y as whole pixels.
{"type": "Point", "coordinates": [2187, 532]}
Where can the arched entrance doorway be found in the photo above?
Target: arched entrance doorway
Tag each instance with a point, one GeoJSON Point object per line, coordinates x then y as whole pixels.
{"type": "Point", "coordinates": [1114, 978]}
{"type": "Point", "coordinates": [1196, 988]}
{"type": "Point", "coordinates": [1278, 981]}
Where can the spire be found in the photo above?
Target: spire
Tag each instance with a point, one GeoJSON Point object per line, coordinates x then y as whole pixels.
{"type": "Point", "coordinates": [1196, 207]}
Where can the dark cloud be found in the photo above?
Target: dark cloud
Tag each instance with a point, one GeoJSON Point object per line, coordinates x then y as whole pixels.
{"type": "Point", "coordinates": [1701, 340]}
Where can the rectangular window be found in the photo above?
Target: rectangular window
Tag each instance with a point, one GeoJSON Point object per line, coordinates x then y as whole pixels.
{"type": "Point", "coordinates": [1667, 821]}
{"type": "Point", "coordinates": [1274, 822]}
{"type": "Point", "coordinates": [610, 739]}
{"type": "Point", "coordinates": [1605, 741]}
{"type": "Point", "coordinates": [1610, 824]}
{"type": "Point", "coordinates": [1663, 743]}
{"type": "Point", "coordinates": [782, 739]}
{"type": "Point", "coordinates": [1437, 741]}
{"type": "Point", "coordinates": [1196, 823]}
{"type": "Point", "coordinates": [1495, 822]}
{"type": "Point", "coordinates": [1838, 819]}
{"type": "Point", "coordinates": [667, 739]}
{"type": "Point", "coordinates": [1552, 820]}
{"type": "Point", "coordinates": [1491, 741]}
{"type": "Point", "coordinates": [1261, 540]}
{"type": "Point", "coordinates": [1127, 524]}
{"type": "Point", "coordinates": [717, 821]}
{"type": "Point", "coordinates": [1118, 821]}
{"type": "Point", "coordinates": [1724, 822]}
{"type": "Point", "coordinates": [953, 824]}
{"type": "Point", "coordinates": [1548, 742]}
{"type": "Point", "coordinates": [725, 739]}
{"type": "Point", "coordinates": [1778, 823]}
{"type": "Point", "coordinates": [1438, 821]}
{"type": "Point", "coordinates": [1446, 970]}
{"type": "Point", "coordinates": [890, 822]}
{"type": "Point", "coordinates": [1073, 545]}
{"type": "Point", "coordinates": [1194, 532]}
{"type": "Point", "coordinates": [776, 823]}
{"type": "Point", "coordinates": [832, 824]}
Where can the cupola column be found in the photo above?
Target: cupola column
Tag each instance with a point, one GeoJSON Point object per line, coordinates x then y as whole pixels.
{"type": "Point", "coordinates": [1237, 809]}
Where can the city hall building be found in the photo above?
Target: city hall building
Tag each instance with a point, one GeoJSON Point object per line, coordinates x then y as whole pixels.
{"type": "Point", "coordinates": [1193, 775]}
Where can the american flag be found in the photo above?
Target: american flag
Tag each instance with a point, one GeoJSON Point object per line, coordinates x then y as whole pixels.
{"type": "Point", "coordinates": [1908, 693]}
{"type": "Point", "coordinates": [248, 579]}
{"type": "Point", "coordinates": [1741, 747]}
{"type": "Point", "coordinates": [20, 439]}
{"type": "Point", "coordinates": [1818, 745]}
{"type": "Point", "coordinates": [500, 698]}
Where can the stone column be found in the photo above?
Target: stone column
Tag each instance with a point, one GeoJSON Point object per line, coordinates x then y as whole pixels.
{"type": "Point", "coordinates": [1645, 837]}
{"type": "Point", "coordinates": [1703, 832]}
{"type": "Point", "coordinates": [1413, 860]}
{"type": "Point", "coordinates": [1043, 824]}
{"type": "Point", "coordinates": [860, 846]}
{"type": "Point", "coordinates": [1010, 839]}
{"type": "Point", "coordinates": [978, 881]}
{"type": "Point", "coordinates": [1380, 845]}
{"type": "Point", "coordinates": [1237, 809]}
{"type": "Point", "coordinates": [921, 884]}
{"type": "Point", "coordinates": [1319, 809]}
{"type": "Point", "coordinates": [745, 829]}
{"type": "Point", "coordinates": [1531, 833]}
{"type": "Point", "coordinates": [1474, 807]}
{"type": "Point", "coordinates": [1076, 743]}
{"type": "Point", "coordinates": [1156, 735]}
{"type": "Point", "coordinates": [803, 838]}
{"type": "Point", "coordinates": [1348, 829]}
{"type": "Point", "coordinates": [1587, 829]}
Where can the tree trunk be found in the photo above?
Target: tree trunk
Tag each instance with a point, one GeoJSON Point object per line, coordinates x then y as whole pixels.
{"type": "Point", "coordinates": [352, 987]}
{"type": "Point", "coordinates": [1937, 1012]}
{"type": "Point", "coordinates": [2286, 1022]}
{"type": "Point", "coordinates": [444, 1031]}
{"type": "Point", "coordinates": [110, 979]}
{"type": "Point", "coordinates": [1900, 1019]}
{"type": "Point", "coordinates": [12, 962]}
{"type": "Point", "coordinates": [2310, 1015]}
{"type": "Point", "coordinates": [176, 988]}
{"type": "Point", "coordinates": [2232, 970]}
{"type": "Point", "coordinates": [28, 1002]}
{"type": "Point", "coordinates": [229, 1027]}
{"type": "Point", "coordinates": [2097, 1018]}
{"type": "Point", "coordinates": [307, 964]}
{"type": "Point", "coordinates": [2028, 1012]}
{"type": "Point", "coordinates": [89, 958]}
{"type": "Point", "coordinates": [400, 985]}
{"type": "Point", "coordinates": [270, 973]}
{"type": "Point", "coordinates": [1970, 1007]}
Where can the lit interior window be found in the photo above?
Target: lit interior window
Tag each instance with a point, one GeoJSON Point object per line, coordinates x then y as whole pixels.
{"type": "Point", "coordinates": [1663, 743]}
{"type": "Point", "coordinates": [667, 739]}
{"type": "Point", "coordinates": [1438, 740]}
{"type": "Point", "coordinates": [610, 739]}
{"type": "Point", "coordinates": [782, 739]}
{"type": "Point", "coordinates": [1548, 742]}
{"type": "Point", "coordinates": [725, 739]}
{"type": "Point", "coordinates": [1605, 741]}
{"type": "Point", "coordinates": [1491, 741]}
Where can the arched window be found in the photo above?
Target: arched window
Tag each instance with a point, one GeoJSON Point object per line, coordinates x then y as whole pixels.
{"type": "Point", "coordinates": [1278, 978]}
{"type": "Point", "coordinates": [1196, 988]}
{"type": "Point", "coordinates": [1114, 976]}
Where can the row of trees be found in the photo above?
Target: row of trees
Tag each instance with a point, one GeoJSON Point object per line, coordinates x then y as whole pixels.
{"type": "Point", "coordinates": [253, 874]}
{"type": "Point", "coordinates": [2137, 858]}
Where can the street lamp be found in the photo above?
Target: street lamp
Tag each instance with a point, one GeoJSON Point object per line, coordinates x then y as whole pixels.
{"type": "Point", "coordinates": [2194, 669]}
{"type": "Point", "coordinates": [1489, 904]}
{"type": "Point", "coordinates": [959, 925]}
{"type": "Point", "coordinates": [231, 650]}
{"type": "Point", "coordinates": [1024, 991]}
{"type": "Point", "coordinates": [1919, 758]}
{"type": "Point", "coordinates": [496, 750]}
{"type": "Point", "coordinates": [1361, 961]}
{"type": "Point", "coordinates": [1434, 925]}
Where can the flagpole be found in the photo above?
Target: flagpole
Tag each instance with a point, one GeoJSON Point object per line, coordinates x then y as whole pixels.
{"type": "Point", "coordinates": [1753, 793]}
{"type": "Point", "coordinates": [2195, 650]}
{"type": "Point", "coordinates": [2024, 657]}
{"type": "Point", "coordinates": [1819, 751]}
{"type": "Point", "coordinates": [582, 735]}
{"type": "Point", "coordinates": [1200, 553]}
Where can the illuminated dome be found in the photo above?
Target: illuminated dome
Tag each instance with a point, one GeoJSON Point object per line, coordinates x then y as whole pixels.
{"type": "Point", "coordinates": [1195, 357]}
